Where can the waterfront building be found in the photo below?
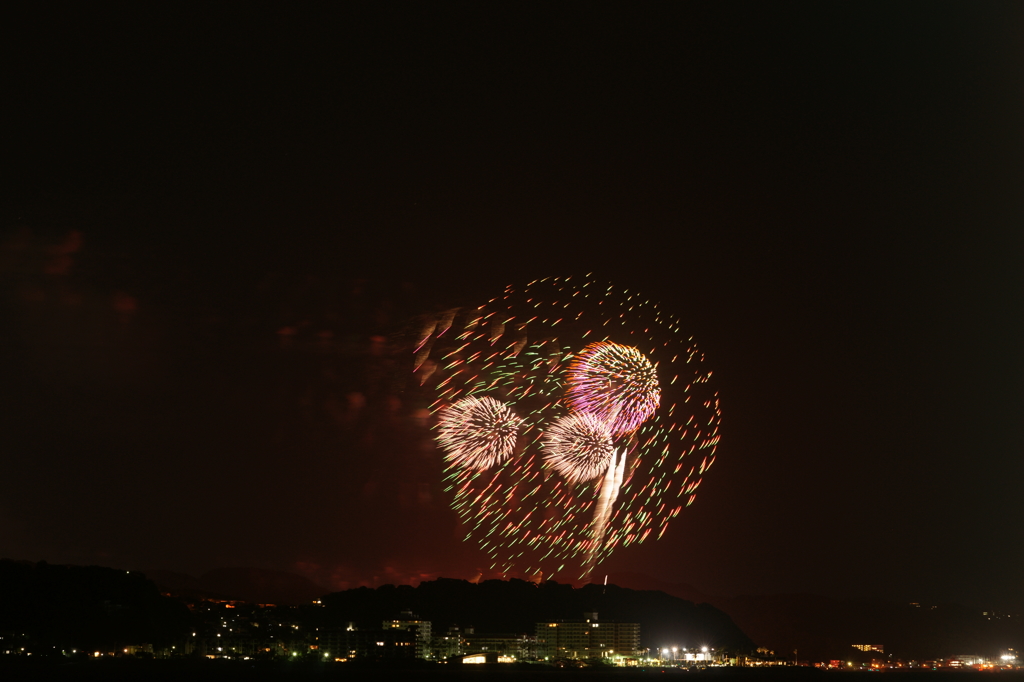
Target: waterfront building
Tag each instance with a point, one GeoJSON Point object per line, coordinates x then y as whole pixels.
{"type": "Point", "coordinates": [587, 638]}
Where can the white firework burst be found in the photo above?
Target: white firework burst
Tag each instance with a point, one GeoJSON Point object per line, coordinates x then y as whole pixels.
{"type": "Point", "coordinates": [578, 446]}
{"type": "Point", "coordinates": [477, 433]}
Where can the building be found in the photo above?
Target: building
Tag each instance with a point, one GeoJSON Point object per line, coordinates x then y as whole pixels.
{"type": "Point", "coordinates": [387, 644]}
{"type": "Point", "coordinates": [507, 646]}
{"type": "Point", "coordinates": [469, 659]}
{"type": "Point", "coordinates": [410, 622]}
{"type": "Point", "coordinates": [587, 638]}
{"type": "Point", "coordinates": [879, 648]}
{"type": "Point", "coordinates": [448, 645]}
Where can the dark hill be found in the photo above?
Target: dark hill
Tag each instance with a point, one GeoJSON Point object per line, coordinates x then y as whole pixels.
{"type": "Point", "coordinates": [85, 607]}
{"type": "Point", "coordinates": [517, 606]}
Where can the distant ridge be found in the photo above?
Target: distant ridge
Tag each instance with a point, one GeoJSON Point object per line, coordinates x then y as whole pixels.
{"type": "Point", "coordinates": [824, 628]}
{"type": "Point", "coordinates": [258, 585]}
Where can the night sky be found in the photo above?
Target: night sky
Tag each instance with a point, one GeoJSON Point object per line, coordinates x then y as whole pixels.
{"type": "Point", "coordinates": [217, 227]}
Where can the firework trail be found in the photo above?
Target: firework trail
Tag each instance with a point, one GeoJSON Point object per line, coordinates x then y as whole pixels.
{"type": "Point", "coordinates": [616, 421]}
{"type": "Point", "coordinates": [609, 491]}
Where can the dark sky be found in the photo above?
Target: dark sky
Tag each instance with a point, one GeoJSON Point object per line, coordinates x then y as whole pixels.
{"type": "Point", "coordinates": [829, 197]}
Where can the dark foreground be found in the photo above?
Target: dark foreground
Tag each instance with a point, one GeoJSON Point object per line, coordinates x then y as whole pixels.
{"type": "Point", "coordinates": [198, 671]}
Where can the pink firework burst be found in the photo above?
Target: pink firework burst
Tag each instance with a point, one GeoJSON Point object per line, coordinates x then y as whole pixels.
{"type": "Point", "coordinates": [616, 384]}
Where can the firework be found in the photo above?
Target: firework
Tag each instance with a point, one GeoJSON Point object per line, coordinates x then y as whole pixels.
{"type": "Point", "coordinates": [609, 491]}
{"type": "Point", "coordinates": [617, 421]}
{"type": "Point", "coordinates": [615, 383]}
{"type": "Point", "coordinates": [578, 446]}
{"type": "Point", "coordinates": [477, 433]}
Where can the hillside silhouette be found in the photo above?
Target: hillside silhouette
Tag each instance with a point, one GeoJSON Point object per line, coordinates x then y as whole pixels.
{"type": "Point", "coordinates": [517, 606]}
{"type": "Point", "coordinates": [85, 607]}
